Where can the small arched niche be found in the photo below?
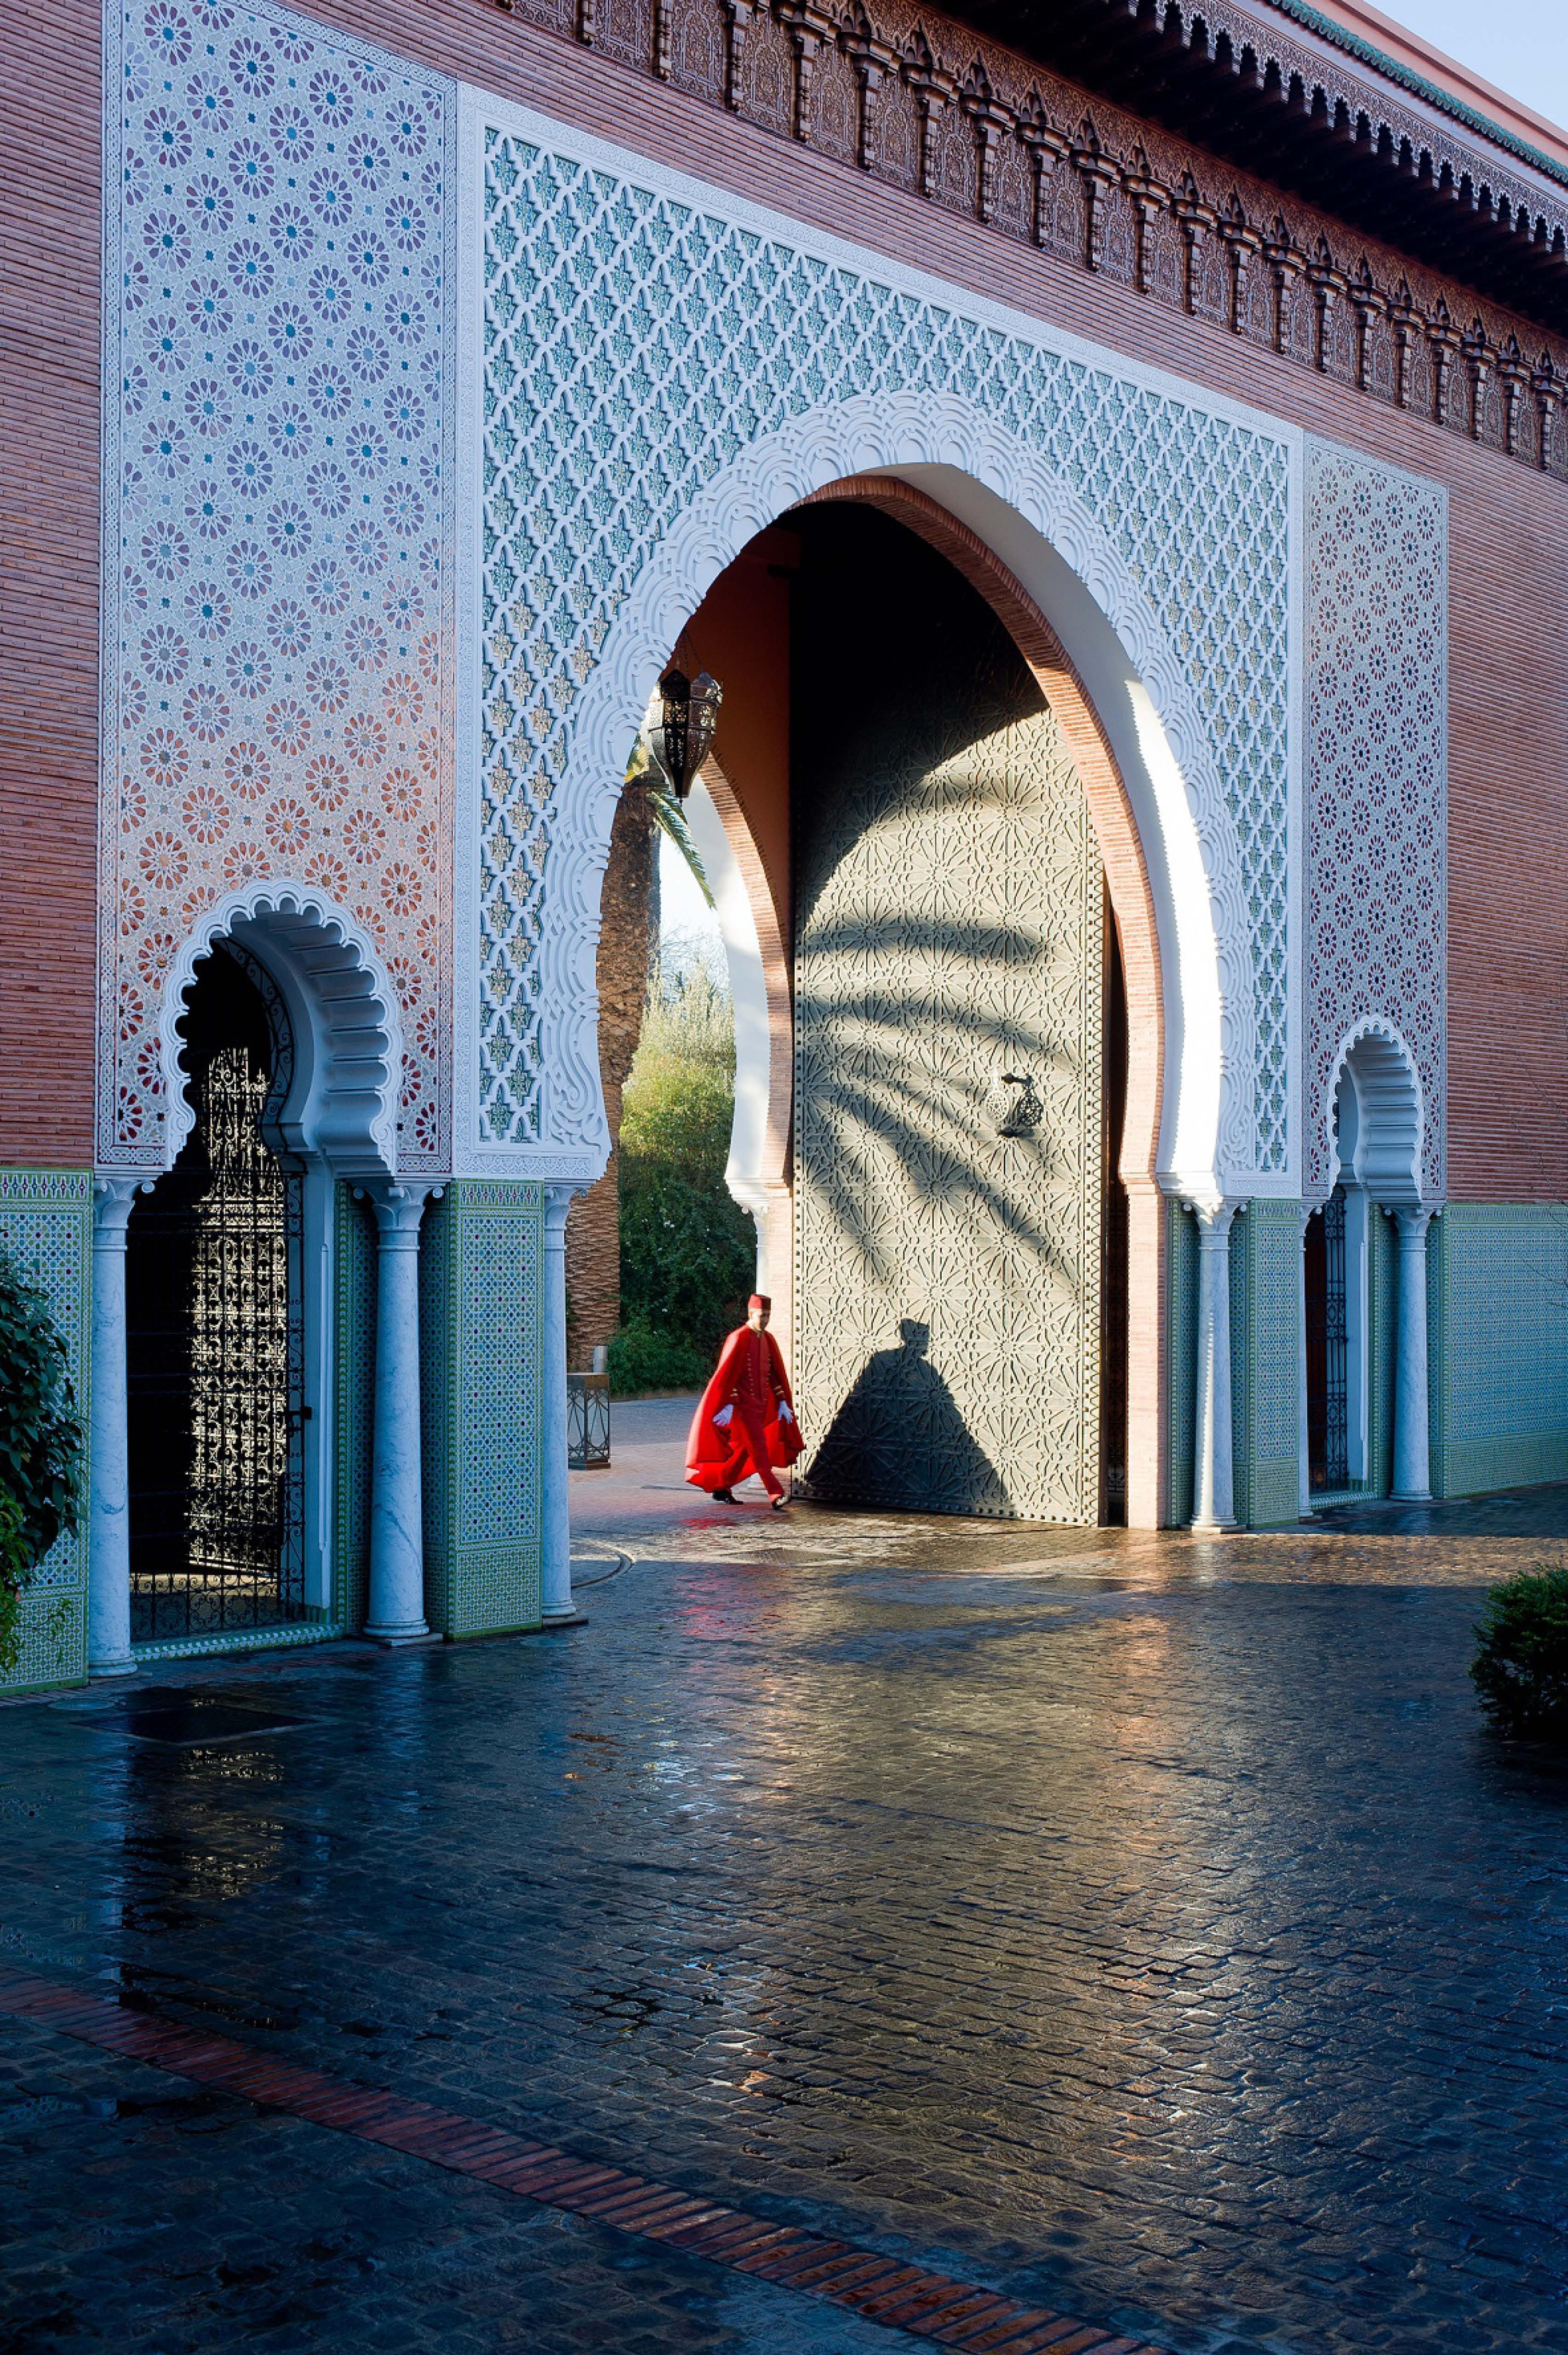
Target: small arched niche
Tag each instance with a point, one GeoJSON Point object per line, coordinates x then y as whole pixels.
{"type": "Point", "coordinates": [1374, 1121]}
{"type": "Point", "coordinates": [1375, 1116]}
{"type": "Point", "coordinates": [282, 1062]}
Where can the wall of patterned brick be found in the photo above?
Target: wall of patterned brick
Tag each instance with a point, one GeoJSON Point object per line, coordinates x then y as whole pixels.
{"type": "Point", "coordinates": [1508, 593]}
{"type": "Point", "coordinates": [50, 221]}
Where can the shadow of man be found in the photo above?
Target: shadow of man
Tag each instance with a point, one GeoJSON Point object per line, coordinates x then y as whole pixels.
{"type": "Point", "coordinates": [900, 1439]}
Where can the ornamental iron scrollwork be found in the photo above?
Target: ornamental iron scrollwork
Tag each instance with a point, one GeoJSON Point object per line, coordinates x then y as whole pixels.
{"type": "Point", "coordinates": [1024, 1113]}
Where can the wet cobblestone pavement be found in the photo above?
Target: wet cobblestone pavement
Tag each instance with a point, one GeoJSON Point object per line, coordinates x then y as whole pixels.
{"type": "Point", "coordinates": [1142, 1926]}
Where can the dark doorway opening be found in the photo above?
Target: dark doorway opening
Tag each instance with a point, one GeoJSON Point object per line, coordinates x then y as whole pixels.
{"type": "Point", "coordinates": [1113, 1244]}
{"type": "Point", "coordinates": [1328, 1371]}
{"type": "Point", "coordinates": [214, 1334]}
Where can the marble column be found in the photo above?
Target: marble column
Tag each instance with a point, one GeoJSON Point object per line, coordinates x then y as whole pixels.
{"type": "Point", "coordinates": [1303, 1441]}
{"type": "Point", "coordinates": [397, 1613]}
{"type": "Point", "coordinates": [109, 1652]}
{"type": "Point", "coordinates": [559, 1610]}
{"type": "Point", "coordinates": [1213, 1481]}
{"type": "Point", "coordinates": [1412, 1458]}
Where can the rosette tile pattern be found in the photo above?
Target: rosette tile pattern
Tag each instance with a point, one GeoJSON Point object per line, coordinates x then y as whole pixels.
{"type": "Point", "coordinates": [278, 633]}
{"type": "Point", "coordinates": [635, 345]}
{"type": "Point", "coordinates": [1377, 771]}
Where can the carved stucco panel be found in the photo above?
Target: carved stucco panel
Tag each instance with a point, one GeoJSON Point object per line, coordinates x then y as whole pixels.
{"type": "Point", "coordinates": [1377, 723]}
{"type": "Point", "coordinates": [278, 629]}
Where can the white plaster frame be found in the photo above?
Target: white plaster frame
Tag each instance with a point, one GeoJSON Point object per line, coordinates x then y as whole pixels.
{"type": "Point", "coordinates": [1014, 496]}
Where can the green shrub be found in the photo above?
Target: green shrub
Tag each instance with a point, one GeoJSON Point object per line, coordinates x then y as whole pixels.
{"type": "Point", "coordinates": [643, 1359]}
{"type": "Point", "coordinates": [40, 1445]}
{"type": "Point", "coordinates": [1520, 1668]}
{"type": "Point", "coordinates": [688, 1251]}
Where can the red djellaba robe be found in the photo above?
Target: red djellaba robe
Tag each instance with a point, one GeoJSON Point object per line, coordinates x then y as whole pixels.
{"type": "Point", "coordinates": [750, 1377]}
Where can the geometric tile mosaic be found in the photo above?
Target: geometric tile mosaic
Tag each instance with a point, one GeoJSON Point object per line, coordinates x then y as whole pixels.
{"type": "Point", "coordinates": [46, 1230]}
{"type": "Point", "coordinates": [481, 1314]}
{"type": "Point", "coordinates": [278, 636]}
{"type": "Point", "coordinates": [1376, 710]}
{"type": "Point", "coordinates": [634, 345]}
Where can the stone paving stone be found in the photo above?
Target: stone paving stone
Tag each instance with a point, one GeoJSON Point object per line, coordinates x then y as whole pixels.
{"type": "Point", "coordinates": [1149, 1932]}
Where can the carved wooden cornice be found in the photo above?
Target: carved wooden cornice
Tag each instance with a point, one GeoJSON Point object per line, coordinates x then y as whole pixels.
{"type": "Point", "coordinates": [1346, 125]}
{"type": "Point", "coordinates": [910, 97]}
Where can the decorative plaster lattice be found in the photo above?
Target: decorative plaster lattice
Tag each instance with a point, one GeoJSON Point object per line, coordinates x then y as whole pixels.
{"type": "Point", "coordinates": [278, 689]}
{"type": "Point", "coordinates": [636, 347]}
{"type": "Point", "coordinates": [1376, 719]}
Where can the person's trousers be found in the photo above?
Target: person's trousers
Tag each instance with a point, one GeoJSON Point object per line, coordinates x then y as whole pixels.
{"type": "Point", "coordinates": [756, 1430]}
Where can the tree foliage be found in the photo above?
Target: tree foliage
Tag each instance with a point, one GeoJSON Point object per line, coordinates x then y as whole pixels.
{"type": "Point", "coordinates": [40, 1443]}
{"type": "Point", "coordinates": [688, 1251]}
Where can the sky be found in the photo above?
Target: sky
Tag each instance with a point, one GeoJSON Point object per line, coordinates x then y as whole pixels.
{"type": "Point", "coordinates": [684, 915]}
{"type": "Point", "coordinates": [1520, 46]}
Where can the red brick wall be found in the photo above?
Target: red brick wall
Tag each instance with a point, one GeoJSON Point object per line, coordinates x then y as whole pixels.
{"type": "Point", "coordinates": [1509, 832]}
{"type": "Point", "coordinates": [49, 214]}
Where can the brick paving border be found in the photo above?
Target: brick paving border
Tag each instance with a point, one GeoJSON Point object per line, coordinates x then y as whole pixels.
{"type": "Point", "coordinates": [876, 2286]}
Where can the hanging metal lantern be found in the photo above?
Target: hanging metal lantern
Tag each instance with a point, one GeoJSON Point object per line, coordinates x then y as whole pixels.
{"type": "Point", "coordinates": [682, 733]}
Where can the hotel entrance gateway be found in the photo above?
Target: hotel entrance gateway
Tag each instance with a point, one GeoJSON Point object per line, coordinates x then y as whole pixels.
{"type": "Point", "coordinates": [366, 699]}
{"type": "Point", "coordinates": [971, 911]}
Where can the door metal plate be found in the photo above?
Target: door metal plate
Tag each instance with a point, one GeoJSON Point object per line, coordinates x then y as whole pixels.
{"type": "Point", "coordinates": [948, 1111]}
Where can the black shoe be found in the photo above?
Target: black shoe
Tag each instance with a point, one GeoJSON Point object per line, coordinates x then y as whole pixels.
{"type": "Point", "coordinates": [722, 1496]}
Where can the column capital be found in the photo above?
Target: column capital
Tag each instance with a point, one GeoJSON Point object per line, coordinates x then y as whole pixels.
{"type": "Point", "coordinates": [400, 1205]}
{"type": "Point", "coordinates": [1413, 1218]}
{"type": "Point", "coordinates": [1213, 1216]}
{"type": "Point", "coordinates": [560, 1193]}
{"type": "Point", "coordinates": [113, 1196]}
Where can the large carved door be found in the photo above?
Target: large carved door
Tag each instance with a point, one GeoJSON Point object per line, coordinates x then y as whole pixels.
{"type": "Point", "coordinates": [948, 1051]}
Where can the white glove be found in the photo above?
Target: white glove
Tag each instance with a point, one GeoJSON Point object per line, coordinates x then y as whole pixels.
{"type": "Point", "coordinates": [722, 1420]}
{"type": "Point", "coordinates": [784, 1413]}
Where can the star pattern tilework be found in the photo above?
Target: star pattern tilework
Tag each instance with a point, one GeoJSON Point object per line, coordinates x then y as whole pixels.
{"type": "Point", "coordinates": [278, 694]}
{"type": "Point", "coordinates": [1377, 721]}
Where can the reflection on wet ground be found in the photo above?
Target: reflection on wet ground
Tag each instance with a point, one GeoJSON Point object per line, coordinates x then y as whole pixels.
{"type": "Point", "coordinates": [1144, 1925]}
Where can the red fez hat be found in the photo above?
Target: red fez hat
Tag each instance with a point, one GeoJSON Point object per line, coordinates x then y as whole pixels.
{"type": "Point", "coordinates": [759, 1300]}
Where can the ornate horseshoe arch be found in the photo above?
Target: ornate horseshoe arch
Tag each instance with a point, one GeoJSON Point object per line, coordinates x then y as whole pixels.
{"type": "Point", "coordinates": [344, 1006]}
{"type": "Point", "coordinates": [1144, 700]}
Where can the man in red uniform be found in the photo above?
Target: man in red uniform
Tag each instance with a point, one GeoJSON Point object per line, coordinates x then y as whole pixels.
{"type": "Point", "coordinates": [746, 1419]}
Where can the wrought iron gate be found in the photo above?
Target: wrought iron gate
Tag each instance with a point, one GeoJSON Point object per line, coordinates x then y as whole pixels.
{"type": "Point", "coordinates": [948, 1051]}
{"type": "Point", "coordinates": [1327, 1352]}
{"type": "Point", "coordinates": [214, 1337]}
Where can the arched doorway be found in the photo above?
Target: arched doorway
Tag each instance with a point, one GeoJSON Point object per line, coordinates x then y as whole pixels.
{"type": "Point", "coordinates": [215, 1371]}
{"type": "Point", "coordinates": [1353, 1287]}
{"type": "Point", "coordinates": [959, 1016]}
